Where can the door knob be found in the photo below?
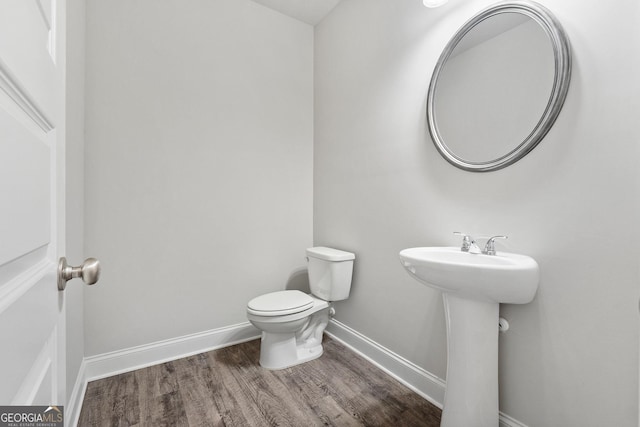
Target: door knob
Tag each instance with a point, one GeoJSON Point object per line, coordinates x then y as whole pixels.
{"type": "Point", "coordinates": [89, 271]}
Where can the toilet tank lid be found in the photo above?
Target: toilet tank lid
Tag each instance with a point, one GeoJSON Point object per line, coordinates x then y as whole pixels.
{"type": "Point", "coordinates": [329, 254]}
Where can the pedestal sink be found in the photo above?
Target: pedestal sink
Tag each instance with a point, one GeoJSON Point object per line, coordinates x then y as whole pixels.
{"type": "Point", "coordinates": [473, 287]}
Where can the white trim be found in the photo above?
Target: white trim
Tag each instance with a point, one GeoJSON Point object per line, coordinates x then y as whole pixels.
{"type": "Point", "coordinates": [423, 382]}
{"type": "Point", "coordinates": [507, 421]}
{"type": "Point", "coordinates": [19, 285]}
{"type": "Point", "coordinates": [416, 378]}
{"type": "Point", "coordinates": [34, 380]}
{"type": "Point", "coordinates": [105, 365]}
{"type": "Point", "coordinates": [10, 85]}
{"type": "Point", "coordinates": [130, 359]}
{"type": "Point", "coordinates": [74, 405]}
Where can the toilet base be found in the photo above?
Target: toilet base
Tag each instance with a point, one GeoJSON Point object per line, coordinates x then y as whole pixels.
{"type": "Point", "coordinates": [280, 350]}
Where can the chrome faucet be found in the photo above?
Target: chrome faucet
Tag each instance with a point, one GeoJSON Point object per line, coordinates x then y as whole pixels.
{"type": "Point", "coordinates": [469, 244]}
{"type": "Point", "coordinates": [490, 248]}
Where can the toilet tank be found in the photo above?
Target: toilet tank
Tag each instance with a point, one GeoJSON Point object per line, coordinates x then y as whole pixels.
{"type": "Point", "coordinates": [330, 272]}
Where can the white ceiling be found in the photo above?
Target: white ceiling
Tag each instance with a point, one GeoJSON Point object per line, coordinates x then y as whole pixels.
{"type": "Point", "coordinates": [309, 11]}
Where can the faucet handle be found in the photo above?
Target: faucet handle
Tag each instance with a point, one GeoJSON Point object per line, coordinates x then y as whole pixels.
{"type": "Point", "coordinates": [490, 248]}
{"type": "Point", "coordinates": [467, 241]}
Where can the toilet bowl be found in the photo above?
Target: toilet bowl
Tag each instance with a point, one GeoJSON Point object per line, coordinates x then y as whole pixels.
{"type": "Point", "coordinates": [291, 337]}
{"type": "Point", "coordinates": [292, 322]}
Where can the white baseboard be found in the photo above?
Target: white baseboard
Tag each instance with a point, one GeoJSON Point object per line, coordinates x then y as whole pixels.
{"type": "Point", "coordinates": [130, 359]}
{"type": "Point", "coordinates": [74, 405]}
{"type": "Point", "coordinates": [507, 421]}
{"type": "Point", "coordinates": [105, 365]}
{"type": "Point", "coordinates": [416, 378]}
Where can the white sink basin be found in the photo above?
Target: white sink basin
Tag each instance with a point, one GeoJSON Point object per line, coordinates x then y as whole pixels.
{"type": "Point", "coordinates": [503, 278]}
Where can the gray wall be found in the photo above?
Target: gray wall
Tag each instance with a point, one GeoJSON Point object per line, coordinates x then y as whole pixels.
{"type": "Point", "coordinates": [571, 356]}
{"type": "Point", "coordinates": [199, 131]}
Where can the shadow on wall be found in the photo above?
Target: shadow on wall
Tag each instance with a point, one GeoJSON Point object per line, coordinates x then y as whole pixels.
{"type": "Point", "coordinates": [299, 280]}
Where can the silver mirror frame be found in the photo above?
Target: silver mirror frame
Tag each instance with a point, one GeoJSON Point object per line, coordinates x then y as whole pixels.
{"type": "Point", "coordinates": [562, 77]}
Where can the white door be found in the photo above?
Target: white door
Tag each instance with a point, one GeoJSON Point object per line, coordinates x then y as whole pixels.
{"type": "Point", "coordinates": [32, 342]}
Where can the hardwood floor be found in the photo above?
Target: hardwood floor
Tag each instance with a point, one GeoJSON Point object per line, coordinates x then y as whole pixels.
{"type": "Point", "coordinates": [227, 387]}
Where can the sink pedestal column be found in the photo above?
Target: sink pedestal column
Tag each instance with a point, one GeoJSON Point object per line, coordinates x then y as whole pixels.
{"type": "Point", "coordinates": [471, 395]}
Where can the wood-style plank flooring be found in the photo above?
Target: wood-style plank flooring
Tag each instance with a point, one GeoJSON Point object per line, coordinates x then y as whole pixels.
{"type": "Point", "coordinates": [227, 387]}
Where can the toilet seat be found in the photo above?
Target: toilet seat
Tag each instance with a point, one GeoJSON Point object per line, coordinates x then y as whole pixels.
{"type": "Point", "coordinates": [280, 303]}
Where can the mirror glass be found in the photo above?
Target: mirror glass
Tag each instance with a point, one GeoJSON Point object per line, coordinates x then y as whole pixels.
{"type": "Point", "coordinates": [497, 88]}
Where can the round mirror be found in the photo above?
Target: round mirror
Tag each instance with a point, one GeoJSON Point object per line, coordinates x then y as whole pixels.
{"type": "Point", "coordinates": [498, 86]}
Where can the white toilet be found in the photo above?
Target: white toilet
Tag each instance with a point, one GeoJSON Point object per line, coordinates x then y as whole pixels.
{"type": "Point", "coordinates": [292, 322]}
